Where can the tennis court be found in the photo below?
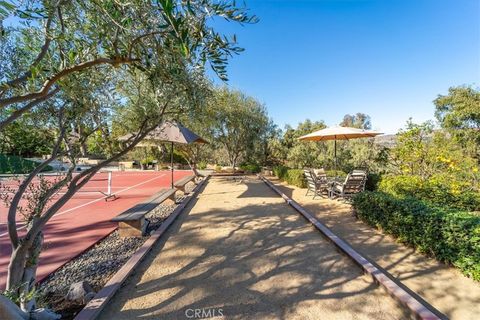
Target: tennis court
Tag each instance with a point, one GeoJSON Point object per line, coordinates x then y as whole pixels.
{"type": "Point", "coordinates": [85, 219]}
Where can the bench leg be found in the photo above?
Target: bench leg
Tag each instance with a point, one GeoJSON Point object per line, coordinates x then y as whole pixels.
{"type": "Point", "coordinates": [134, 228]}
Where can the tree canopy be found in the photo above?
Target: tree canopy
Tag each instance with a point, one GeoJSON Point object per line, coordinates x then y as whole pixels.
{"type": "Point", "coordinates": [53, 40]}
{"type": "Point", "coordinates": [358, 120]}
{"type": "Point", "coordinates": [239, 123]}
{"type": "Point", "coordinates": [459, 113]}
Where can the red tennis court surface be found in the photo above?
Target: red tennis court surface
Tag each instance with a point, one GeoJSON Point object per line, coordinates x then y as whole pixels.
{"type": "Point", "coordinates": [85, 218]}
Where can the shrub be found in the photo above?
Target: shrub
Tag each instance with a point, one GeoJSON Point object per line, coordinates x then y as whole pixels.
{"type": "Point", "coordinates": [449, 235]}
{"type": "Point", "coordinates": [147, 160]}
{"type": "Point", "coordinates": [280, 171]}
{"type": "Point", "coordinates": [436, 190]}
{"type": "Point", "coordinates": [294, 177]}
{"type": "Point", "coordinates": [202, 165]}
{"type": "Point", "coordinates": [250, 167]}
{"type": "Point", "coordinates": [373, 180]}
{"type": "Point", "coordinates": [18, 165]}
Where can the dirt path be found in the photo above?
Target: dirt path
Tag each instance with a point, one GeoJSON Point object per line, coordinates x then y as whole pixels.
{"type": "Point", "coordinates": [444, 287]}
{"type": "Point", "coordinates": [241, 252]}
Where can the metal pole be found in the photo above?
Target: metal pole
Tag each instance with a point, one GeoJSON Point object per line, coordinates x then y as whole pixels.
{"type": "Point", "coordinates": [171, 163]}
{"type": "Point", "coordinates": [109, 191]}
{"type": "Point", "coordinates": [335, 155]}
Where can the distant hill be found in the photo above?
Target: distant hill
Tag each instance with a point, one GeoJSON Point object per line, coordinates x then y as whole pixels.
{"type": "Point", "coordinates": [390, 140]}
{"type": "Point", "coordinates": [386, 140]}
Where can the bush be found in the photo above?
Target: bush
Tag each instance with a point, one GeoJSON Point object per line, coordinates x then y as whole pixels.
{"type": "Point", "coordinates": [449, 235]}
{"type": "Point", "coordinates": [17, 165]}
{"type": "Point", "coordinates": [294, 177]}
{"type": "Point", "coordinates": [202, 165]}
{"type": "Point", "coordinates": [280, 171]}
{"type": "Point", "coordinates": [250, 167]}
{"type": "Point", "coordinates": [436, 190]}
{"type": "Point", "coordinates": [373, 180]}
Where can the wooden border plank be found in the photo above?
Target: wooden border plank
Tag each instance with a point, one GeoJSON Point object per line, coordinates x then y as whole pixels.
{"type": "Point", "coordinates": [414, 305]}
{"type": "Point", "coordinates": [98, 303]}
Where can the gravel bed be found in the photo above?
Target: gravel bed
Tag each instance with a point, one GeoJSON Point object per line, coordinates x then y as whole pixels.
{"type": "Point", "coordinates": [98, 264]}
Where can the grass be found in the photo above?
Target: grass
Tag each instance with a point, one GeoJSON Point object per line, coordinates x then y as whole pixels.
{"type": "Point", "coordinates": [17, 165]}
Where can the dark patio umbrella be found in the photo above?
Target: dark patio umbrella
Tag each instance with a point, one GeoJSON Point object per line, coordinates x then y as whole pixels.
{"type": "Point", "coordinates": [169, 131]}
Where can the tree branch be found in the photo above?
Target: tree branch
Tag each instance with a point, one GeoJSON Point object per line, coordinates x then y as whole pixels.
{"type": "Point", "coordinates": [17, 113]}
{"type": "Point", "coordinates": [38, 59]}
{"type": "Point", "coordinates": [12, 211]}
{"type": "Point", "coordinates": [137, 39]}
{"type": "Point", "coordinates": [65, 72]}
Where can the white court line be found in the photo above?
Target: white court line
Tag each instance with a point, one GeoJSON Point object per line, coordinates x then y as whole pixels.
{"type": "Point", "coordinates": [93, 201]}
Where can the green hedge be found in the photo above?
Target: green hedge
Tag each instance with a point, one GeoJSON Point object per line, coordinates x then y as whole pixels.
{"type": "Point", "coordinates": [373, 180]}
{"type": "Point", "coordinates": [294, 177]}
{"type": "Point", "coordinates": [280, 171]}
{"type": "Point", "coordinates": [449, 235]}
{"type": "Point", "coordinates": [249, 167]}
{"type": "Point", "coordinates": [436, 190]}
{"type": "Point", "coordinates": [17, 165]}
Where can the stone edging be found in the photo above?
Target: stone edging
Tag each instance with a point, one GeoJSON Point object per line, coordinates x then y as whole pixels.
{"type": "Point", "coordinates": [96, 305]}
{"type": "Point", "coordinates": [415, 306]}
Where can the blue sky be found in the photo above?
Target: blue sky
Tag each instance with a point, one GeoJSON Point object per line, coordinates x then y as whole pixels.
{"type": "Point", "coordinates": [387, 58]}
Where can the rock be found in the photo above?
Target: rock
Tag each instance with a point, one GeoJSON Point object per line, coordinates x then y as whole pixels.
{"type": "Point", "coordinates": [79, 292]}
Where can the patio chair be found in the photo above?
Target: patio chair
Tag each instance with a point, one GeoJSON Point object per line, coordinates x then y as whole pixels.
{"type": "Point", "coordinates": [353, 184]}
{"type": "Point", "coordinates": [318, 185]}
{"type": "Point", "coordinates": [319, 172]}
{"type": "Point", "coordinates": [319, 176]}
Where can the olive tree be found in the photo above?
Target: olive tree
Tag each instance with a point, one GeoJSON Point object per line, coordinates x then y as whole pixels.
{"type": "Point", "coordinates": [62, 56]}
{"type": "Point", "coordinates": [358, 120]}
{"type": "Point", "coordinates": [239, 122]}
{"type": "Point", "coordinates": [459, 113]}
{"type": "Point", "coordinates": [302, 154]}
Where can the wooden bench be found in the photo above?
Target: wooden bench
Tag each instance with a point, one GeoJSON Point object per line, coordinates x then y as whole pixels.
{"type": "Point", "coordinates": [180, 184]}
{"type": "Point", "coordinates": [131, 223]}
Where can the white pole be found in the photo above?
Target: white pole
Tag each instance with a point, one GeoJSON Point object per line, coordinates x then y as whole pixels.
{"type": "Point", "coordinates": [109, 190]}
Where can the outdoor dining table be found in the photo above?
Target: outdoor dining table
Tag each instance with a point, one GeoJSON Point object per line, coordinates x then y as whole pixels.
{"type": "Point", "coordinates": [331, 182]}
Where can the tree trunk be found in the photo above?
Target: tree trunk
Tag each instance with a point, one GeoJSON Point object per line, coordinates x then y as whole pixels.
{"type": "Point", "coordinates": [22, 271]}
{"type": "Point", "coordinates": [16, 266]}
{"type": "Point", "coordinates": [30, 273]}
{"type": "Point", "coordinates": [83, 145]}
{"type": "Point", "coordinates": [234, 163]}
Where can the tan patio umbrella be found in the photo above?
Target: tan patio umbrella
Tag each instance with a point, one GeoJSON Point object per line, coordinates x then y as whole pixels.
{"type": "Point", "coordinates": [168, 131]}
{"type": "Point", "coordinates": [338, 133]}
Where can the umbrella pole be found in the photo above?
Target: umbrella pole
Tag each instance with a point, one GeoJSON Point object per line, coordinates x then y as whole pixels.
{"type": "Point", "coordinates": [171, 164]}
{"type": "Point", "coordinates": [335, 156]}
